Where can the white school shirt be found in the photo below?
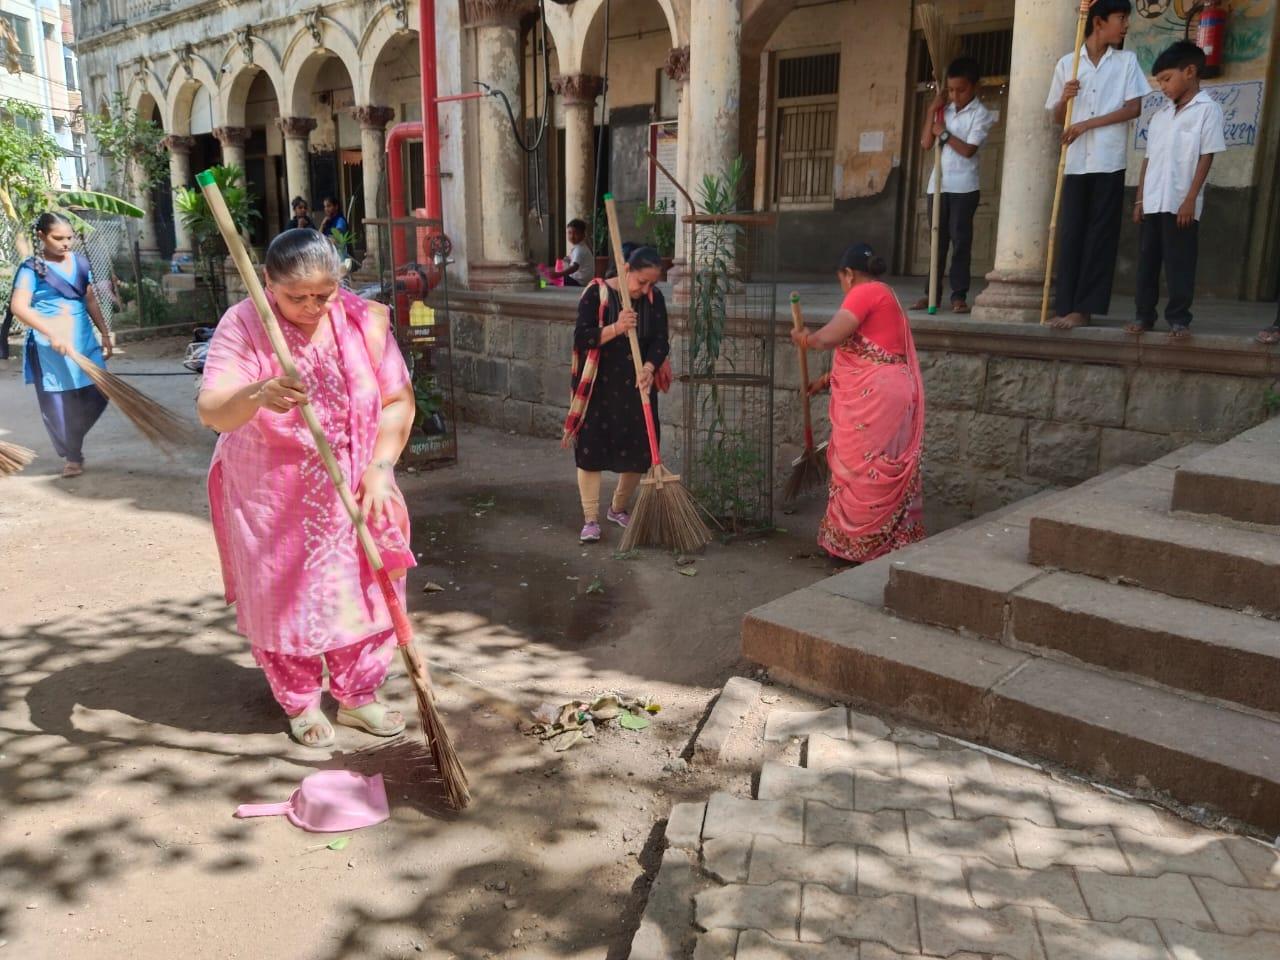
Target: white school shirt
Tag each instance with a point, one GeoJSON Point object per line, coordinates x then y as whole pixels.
{"type": "Point", "coordinates": [1176, 141]}
{"type": "Point", "coordinates": [972, 124]}
{"type": "Point", "coordinates": [581, 254]}
{"type": "Point", "coordinates": [1104, 89]}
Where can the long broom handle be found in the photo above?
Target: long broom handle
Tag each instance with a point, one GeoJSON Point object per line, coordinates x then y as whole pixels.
{"type": "Point", "coordinates": [797, 321]}
{"type": "Point", "coordinates": [1062, 170]}
{"type": "Point", "coordinates": [226, 225]}
{"type": "Point", "coordinates": [935, 231]}
{"type": "Point", "coordinates": [615, 239]}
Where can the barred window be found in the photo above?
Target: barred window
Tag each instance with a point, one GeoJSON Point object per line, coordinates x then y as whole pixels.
{"type": "Point", "coordinates": [805, 132]}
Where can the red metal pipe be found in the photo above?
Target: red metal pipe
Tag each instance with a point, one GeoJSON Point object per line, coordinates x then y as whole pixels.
{"type": "Point", "coordinates": [430, 113]}
{"type": "Point", "coordinates": [399, 135]}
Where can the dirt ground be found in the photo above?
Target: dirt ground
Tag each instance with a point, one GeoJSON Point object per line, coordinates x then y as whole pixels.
{"type": "Point", "coordinates": [133, 721]}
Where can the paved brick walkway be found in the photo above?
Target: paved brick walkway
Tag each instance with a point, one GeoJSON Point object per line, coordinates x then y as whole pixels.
{"type": "Point", "coordinates": [888, 844]}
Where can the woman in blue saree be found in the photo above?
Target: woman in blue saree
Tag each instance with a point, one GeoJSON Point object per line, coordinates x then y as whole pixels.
{"type": "Point", "coordinates": [53, 295]}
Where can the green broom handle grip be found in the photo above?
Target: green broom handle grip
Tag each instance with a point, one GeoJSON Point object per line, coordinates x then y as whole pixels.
{"type": "Point", "coordinates": [235, 245]}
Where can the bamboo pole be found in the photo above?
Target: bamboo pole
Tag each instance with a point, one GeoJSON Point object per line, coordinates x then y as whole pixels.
{"type": "Point", "coordinates": [1062, 168]}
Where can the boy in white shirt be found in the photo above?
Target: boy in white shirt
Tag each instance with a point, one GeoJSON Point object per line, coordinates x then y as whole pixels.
{"type": "Point", "coordinates": [1108, 94]}
{"type": "Point", "coordinates": [579, 267]}
{"type": "Point", "coordinates": [962, 129]}
{"type": "Point", "coordinates": [1185, 134]}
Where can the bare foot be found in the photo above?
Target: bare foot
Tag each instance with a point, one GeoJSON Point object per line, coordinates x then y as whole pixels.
{"type": "Point", "coordinates": [1269, 336]}
{"type": "Point", "coordinates": [72, 469]}
{"type": "Point", "coordinates": [1136, 328]}
{"type": "Point", "coordinates": [921, 304]}
{"type": "Point", "coordinates": [1070, 321]}
{"type": "Point", "coordinates": [1178, 334]}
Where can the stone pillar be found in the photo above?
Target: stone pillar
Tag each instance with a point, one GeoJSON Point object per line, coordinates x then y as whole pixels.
{"type": "Point", "coordinates": [500, 260]}
{"type": "Point", "coordinates": [677, 69]}
{"type": "Point", "coordinates": [578, 93]}
{"type": "Point", "coordinates": [297, 158]}
{"type": "Point", "coordinates": [1043, 31]}
{"type": "Point", "coordinates": [373, 162]}
{"type": "Point", "coordinates": [232, 140]}
{"type": "Point", "coordinates": [179, 179]}
{"type": "Point", "coordinates": [148, 246]}
{"type": "Point", "coordinates": [715, 82]}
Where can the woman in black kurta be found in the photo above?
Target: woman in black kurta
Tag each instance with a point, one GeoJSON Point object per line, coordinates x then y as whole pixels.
{"type": "Point", "coordinates": [612, 435]}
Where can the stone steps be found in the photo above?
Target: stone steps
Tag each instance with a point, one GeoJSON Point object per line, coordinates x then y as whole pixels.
{"type": "Point", "coordinates": [1123, 530]}
{"type": "Point", "coordinates": [1179, 643]}
{"type": "Point", "coordinates": [1239, 480]}
{"type": "Point", "coordinates": [1112, 728]}
{"type": "Point", "coordinates": [981, 582]}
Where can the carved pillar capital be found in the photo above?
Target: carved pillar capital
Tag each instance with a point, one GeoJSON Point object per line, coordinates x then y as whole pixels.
{"type": "Point", "coordinates": [507, 13]}
{"type": "Point", "coordinates": [577, 88]}
{"type": "Point", "coordinates": [231, 136]}
{"type": "Point", "coordinates": [677, 66]}
{"type": "Point", "coordinates": [179, 144]}
{"type": "Point", "coordinates": [372, 117]}
{"type": "Point", "coordinates": [296, 128]}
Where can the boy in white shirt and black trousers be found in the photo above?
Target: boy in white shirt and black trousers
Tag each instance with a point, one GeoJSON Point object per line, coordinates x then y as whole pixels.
{"type": "Point", "coordinates": [963, 128]}
{"type": "Point", "coordinates": [1108, 94]}
{"type": "Point", "coordinates": [1185, 134]}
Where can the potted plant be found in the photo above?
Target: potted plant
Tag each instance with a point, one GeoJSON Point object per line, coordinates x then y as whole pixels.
{"type": "Point", "coordinates": [658, 229]}
{"type": "Point", "coordinates": [192, 208]}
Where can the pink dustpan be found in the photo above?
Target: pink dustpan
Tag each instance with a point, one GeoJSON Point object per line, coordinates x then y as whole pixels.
{"type": "Point", "coordinates": [329, 801]}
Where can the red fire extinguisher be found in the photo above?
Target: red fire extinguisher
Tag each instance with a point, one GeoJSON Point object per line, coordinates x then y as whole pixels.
{"type": "Point", "coordinates": [1211, 34]}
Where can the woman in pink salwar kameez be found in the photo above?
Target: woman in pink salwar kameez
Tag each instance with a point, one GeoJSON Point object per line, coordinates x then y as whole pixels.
{"type": "Point", "coordinates": [304, 593]}
{"type": "Point", "coordinates": [877, 417]}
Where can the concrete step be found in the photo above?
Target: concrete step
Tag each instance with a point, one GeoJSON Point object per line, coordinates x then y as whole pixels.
{"type": "Point", "coordinates": [1123, 530]}
{"type": "Point", "coordinates": [1142, 738]}
{"type": "Point", "coordinates": [1239, 480]}
{"type": "Point", "coordinates": [1179, 643]}
{"type": "Point", "coordinates": [981, 582]}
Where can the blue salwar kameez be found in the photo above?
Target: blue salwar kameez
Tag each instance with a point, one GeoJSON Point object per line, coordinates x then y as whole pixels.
{"type": "Point", "coordinates": [69, 402]}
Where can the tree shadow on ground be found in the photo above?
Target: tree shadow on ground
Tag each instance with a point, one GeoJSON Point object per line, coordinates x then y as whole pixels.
{"type": "Point", "coordinates": [128, 737]}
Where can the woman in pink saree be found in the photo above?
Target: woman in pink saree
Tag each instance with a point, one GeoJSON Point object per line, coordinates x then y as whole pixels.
{"type": "Point", "coordinates": [877, 417]}
{"type": "Point", "coordinates": [305, 595]}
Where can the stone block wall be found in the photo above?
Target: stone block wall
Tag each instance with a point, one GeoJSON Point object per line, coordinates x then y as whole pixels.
{"type": "Point", "coordinates": [999, 427]}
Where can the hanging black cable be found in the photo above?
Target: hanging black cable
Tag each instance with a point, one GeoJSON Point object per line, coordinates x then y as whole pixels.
{"type": "Point", "coordinates": [604, 104]}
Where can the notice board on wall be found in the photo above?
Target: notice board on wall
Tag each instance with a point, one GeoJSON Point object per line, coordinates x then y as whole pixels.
{"type": "Point", "coordinates": [664, 142]}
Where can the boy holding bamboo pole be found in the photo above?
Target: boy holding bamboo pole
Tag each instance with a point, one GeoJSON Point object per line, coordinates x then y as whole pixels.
{"type": "Point", "coordinates": [962, 129]}
{"type": "Point", "coordinates": [1108, 90]}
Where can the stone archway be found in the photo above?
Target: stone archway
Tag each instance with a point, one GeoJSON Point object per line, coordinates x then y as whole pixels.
{"type": "Point", "coordinates": [319, 129]}
{"type": "Point", "coordinates": [251, 139]}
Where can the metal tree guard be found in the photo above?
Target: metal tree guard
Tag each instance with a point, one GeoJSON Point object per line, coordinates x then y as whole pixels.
{"type": "Point", "coordinates": [729, 367]}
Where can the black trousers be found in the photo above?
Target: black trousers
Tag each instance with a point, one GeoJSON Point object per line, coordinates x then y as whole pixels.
{"type": "Point", "coordinates": [1088, 241]}
{"type": "Point", "coordinates": [1162, 243]}
{"type": "Point", "coordinates": [956, 227]}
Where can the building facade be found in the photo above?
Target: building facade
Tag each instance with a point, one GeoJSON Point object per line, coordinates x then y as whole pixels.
{"type": "Point", "coordinates": [822, 99]}
{"type": "Point", "coordinates": [46, 76]}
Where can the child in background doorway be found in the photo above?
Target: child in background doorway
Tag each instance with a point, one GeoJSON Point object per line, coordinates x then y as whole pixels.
{"type": "Point", "coordinates": [962, 131]}
{"type": "Point", "coordinates": [1108, 94]}
{"type": "Point", "coordinates": [578, 268]}
{"type": "Point", "coordinates": [1185, 134]}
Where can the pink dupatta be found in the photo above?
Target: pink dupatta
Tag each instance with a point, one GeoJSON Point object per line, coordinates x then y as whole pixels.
{"type": "Point", "coordinates": [877, 436]}
{"type": "Point", "coordinates": [290, 559]}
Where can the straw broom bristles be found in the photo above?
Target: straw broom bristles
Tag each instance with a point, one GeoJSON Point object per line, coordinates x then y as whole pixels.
{"type": "Point", "coordinates": [939, 38]}
{"type": "Point", "coordinates": [448, 764]}
{"type": "Point", "coordinates": [161, 426]}
{"type": "Point", "coordinates": [13, 458]}
{"type": "Point", "coordinates": [665, 516]}
{"type": "Point", "coordinates": [808, 472]}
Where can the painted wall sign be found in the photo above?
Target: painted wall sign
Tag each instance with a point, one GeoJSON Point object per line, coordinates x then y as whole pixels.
{"type": "Point", "coordinates": [1241, 106]}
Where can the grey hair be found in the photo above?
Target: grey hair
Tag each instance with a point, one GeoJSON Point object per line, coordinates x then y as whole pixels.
{"type": "Point", "coordinates": [300, 253]}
